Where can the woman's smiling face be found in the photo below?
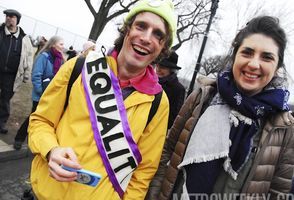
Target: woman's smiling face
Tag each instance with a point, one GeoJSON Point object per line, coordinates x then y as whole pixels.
{"type": "Point", "coordinates": [255, 63]}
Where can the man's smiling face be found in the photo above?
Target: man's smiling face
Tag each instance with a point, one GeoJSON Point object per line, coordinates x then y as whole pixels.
{"type": "Point", "coordinates": [143, 42]}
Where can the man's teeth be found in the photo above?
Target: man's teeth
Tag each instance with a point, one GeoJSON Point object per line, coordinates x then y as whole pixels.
{"type": "Point", "coordinates": [140, 50]}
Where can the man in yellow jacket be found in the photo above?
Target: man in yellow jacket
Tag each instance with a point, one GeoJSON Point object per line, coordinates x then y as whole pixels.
{"type": "Point", "coordinates": [104, 128]}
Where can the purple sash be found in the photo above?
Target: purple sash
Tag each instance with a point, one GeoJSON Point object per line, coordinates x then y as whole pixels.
{"type": "Point", "coordinates": [112, 133]}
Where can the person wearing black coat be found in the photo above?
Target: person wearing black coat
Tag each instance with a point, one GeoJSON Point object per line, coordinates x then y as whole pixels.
{"type": "Point", "coordinates": [166, 70]}
{"type": "Point", "coordinates": [71, 53]}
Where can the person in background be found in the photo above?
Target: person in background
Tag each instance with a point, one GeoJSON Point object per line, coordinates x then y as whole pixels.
{"type": "Point", "coordinates": [45, 67]}
{"type": "Point", "coordinates": [87, 47]}
{"type": "Point", "coordinates": [16, 59]}
{"type": "Point", "coordinates": [104, 127]}
{"type": "Point", "coordinates": [166, 70]}
{"type": "Point", "coordinates": [40, 43]}
{"type": "Point", "coordinates": [71, 53]}
{"type": "Point", "coordinates": [234, 135]}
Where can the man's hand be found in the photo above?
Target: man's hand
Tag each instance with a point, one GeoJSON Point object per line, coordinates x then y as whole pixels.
{"type": "Point", "coordinates": [62, 156]}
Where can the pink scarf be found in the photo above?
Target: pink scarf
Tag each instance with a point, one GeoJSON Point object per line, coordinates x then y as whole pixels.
{"type": "Point", "coordinates": [58, 59]}
{"type": "Point", "coordinates": [146, 83]}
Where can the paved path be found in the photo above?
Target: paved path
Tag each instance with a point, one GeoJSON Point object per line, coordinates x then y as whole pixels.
{"type": "Point", "coordinates": [14, 177]}
{"type": "Point", "coordinates": [15, 165]}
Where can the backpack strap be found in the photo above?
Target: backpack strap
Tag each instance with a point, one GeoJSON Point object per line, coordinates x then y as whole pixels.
{"type": "Point", "coordinates": [154, 107]}
{"type": "Point", "coordinates": [74, 75]}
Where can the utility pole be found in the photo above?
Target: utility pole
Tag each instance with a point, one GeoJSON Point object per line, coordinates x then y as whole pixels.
{"type": "Point", "coordinates": [214, 5]}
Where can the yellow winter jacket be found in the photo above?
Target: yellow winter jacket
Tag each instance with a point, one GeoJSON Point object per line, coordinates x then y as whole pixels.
{"type": "Point", "coordinates": [50, 127]}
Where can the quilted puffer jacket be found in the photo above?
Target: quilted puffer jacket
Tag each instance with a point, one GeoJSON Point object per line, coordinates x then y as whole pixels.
{"type": "Point", "coordinates": [271, 173]}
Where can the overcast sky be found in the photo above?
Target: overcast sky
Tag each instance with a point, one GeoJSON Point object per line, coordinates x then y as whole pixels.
{"type": "Point", "coordinates": [74, 16]}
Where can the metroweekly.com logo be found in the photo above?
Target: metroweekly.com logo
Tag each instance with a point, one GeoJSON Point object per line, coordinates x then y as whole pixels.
{"type": "Point", "coordinates": [231, 196]}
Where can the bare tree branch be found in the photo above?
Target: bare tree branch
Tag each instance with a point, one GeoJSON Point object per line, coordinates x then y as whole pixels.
{"type": "Point", "coordinates": [192, 17]}
{"type": "Point", "coordinates": [212, 65]}
{"type": "Point", "coordinates": [92, 10]}
{"type": "Point", "coordinates": [104, 14]}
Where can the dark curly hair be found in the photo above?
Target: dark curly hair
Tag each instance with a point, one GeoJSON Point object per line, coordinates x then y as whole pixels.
{"type": "Point", "coordinates": [266, 25]}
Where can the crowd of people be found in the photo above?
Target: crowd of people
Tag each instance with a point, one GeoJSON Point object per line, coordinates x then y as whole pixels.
{"type": "Point", "coordinates": [121, 113]}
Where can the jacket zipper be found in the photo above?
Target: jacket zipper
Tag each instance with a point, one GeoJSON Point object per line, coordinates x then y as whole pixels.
{"type": "Point", "coordinates": [10, 43]}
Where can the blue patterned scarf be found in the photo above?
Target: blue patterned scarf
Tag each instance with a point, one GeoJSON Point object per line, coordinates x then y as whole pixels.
{"type": "Point", "coordinates": [259, 106]}
{"type": "Point", "coordinates": [202, 176]}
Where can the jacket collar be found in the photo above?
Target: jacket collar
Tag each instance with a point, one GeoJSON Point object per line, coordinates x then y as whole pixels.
{"type": "Point", "coordinates": [16, 34]}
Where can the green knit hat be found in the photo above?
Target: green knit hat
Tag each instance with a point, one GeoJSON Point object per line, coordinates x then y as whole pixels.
{"type": "Point", "coordinates": [163, 8]}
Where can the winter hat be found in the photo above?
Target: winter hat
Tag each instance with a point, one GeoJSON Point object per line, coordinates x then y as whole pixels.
{"type": "Point", "coordinates": [171, 61]}
{"type": "Point", "coordinates": [88, 45]}
{"type": "Point", "coordinates": [12, 12]}
{"type": "Point", "coordinates": [163, 8]}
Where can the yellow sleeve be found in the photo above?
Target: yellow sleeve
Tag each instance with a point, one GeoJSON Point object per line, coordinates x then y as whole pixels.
{"type": "Point", "coordinates": [150, 145]}
{"type": "Point", "coordinates": [44, 120]}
